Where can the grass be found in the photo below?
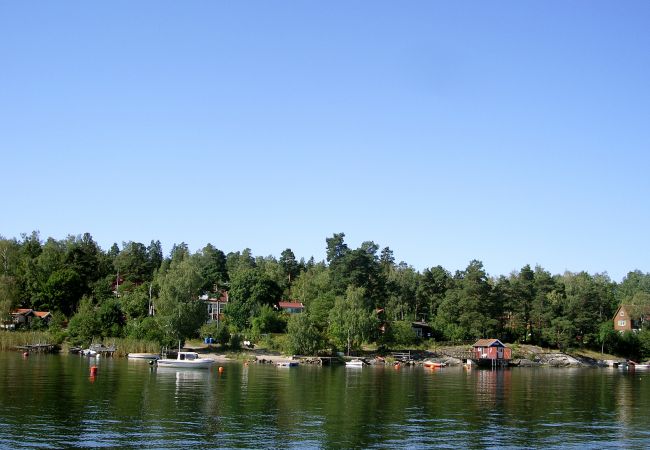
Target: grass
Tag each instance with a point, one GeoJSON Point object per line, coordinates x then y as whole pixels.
{"type": "Point", "coordinates": [9, 340]}
{"type": "Point", "coordinates": [124, 346]}
{"type": "Point", "coordinates": [593, 354]}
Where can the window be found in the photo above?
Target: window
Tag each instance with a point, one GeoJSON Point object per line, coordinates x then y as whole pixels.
{"type": "Point", "coordinates": [622, 313]}
{"type": "Point", "coordinates": [621, 323]}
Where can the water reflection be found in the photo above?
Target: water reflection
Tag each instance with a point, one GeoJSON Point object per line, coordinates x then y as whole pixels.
{"type": "Point", "coordinates": [261, 406]}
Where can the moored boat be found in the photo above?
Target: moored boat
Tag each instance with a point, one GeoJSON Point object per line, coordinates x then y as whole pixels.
{"type": "Point", "coordinates": [150, 356]}
{"type": "Point", "coordinates": [186, 360]}
{"type": "Point", "coordinates": [434, 364]}
{"type": "Point", "coordinates": [287, 364]}
{"type": "Point", "coordinates": [636, 366]}
{"type": "Point", "coordinates": [355, 363]}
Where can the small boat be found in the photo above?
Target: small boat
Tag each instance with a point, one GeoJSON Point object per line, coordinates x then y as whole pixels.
{"type": "Point", "coordinates": [636, 366]}
{"type": "Point", "coordinates": [434, 364]}
{"type": "Point", "coordinates": [288, 364]}
{"type": "Point", "coordinates": [88, 352]}
{"type": "Point", "coordinates": [186, 360]}
{"type": "Point", "coordinates": [355, 363]}
{"type": "Point", "coordinates": [143, 356]}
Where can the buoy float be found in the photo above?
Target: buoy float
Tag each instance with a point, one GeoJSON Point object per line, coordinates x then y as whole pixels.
{"type": "Point", "coordinates": [25, 354]}
{"type": "Point", "coordinates": [398, 366]}
{"type": "Point", "coordinates": [220, 369]}
{"type": "Point", "coordinates": [93, 371]}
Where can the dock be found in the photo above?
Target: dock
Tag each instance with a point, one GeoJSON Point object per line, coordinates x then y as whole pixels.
{"type": "Point", "coordinates": [39, 348]}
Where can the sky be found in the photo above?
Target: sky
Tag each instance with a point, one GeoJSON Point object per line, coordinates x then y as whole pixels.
{"type": "Point", "coordinates": [508, 132]}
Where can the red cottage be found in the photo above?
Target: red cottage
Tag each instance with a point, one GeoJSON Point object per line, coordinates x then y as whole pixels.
{"type": "Point", "coordinates": [491, 352]}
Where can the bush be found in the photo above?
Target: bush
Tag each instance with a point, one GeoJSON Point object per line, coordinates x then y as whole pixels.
{"type": "Point", "coordinates": [235, 341]}
{"type": "Point", "coordinates": [209, 330]}
{"type": "Point", "coordinates": [401, 334]}
{"type": "Point", "coordinates": [303, 336]}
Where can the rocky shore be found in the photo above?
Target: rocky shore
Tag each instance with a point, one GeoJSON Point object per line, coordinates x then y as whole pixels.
{"type": "Point", "coordinates": [524, 356]}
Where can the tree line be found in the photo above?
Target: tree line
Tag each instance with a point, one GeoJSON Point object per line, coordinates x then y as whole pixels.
{"type": "Point", "coordinates": [354, 296]}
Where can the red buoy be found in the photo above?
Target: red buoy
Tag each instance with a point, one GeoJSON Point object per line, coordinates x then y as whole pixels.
{"type": "Point", "coordinates": [220, 369]}
{"type": "Point", "coordinates": [93, 371]}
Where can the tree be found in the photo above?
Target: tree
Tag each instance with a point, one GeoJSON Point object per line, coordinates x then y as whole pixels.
{"type": "Point", "coordinates": [336, 248]}
{"type": "Point", "coordinates": [350, 322]}
{"type": "Point", "coordinates": [213, 269]}
{"type": "Point", "coordinates": [154, 256]}
{"type": "Point", "coordinates": [249, 290]}
{"type": "Point", "coordinates": [85, 325]}
{"type": "Point", "coordinates": [401, 333]}
{"type": "Point", "coordinates": [132, 263]}
{"type": "Point", "coordinates": [402, 285]}
{"type": "Point", "coordinates": [468, 309]}
{"type": "Point", "coordinates": [432, 287]}
{"type": "Point", "coordinates": [239, 262]}
{"type": "Point", "coordinates": [9, 296]}
{"type": "Point", "coordinates": [62, 292]}
{"type": "Point", "coordinates": [268, 320]}
{"type": "Point", "coordinates": [179, 311]}
{"type": "Point", "coordinates": [289, 265]}
{"type": "Point", "coordinates": [304, 337]}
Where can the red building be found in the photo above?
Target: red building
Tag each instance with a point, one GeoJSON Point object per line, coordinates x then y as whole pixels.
{"type": "Point", "coordinates": [631, 318]}
{"type": "Point", "coordinates": [491, 352]}
{"type": "Point", "coordinates": [291, 307]}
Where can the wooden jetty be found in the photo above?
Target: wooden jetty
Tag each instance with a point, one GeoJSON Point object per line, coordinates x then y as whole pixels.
{"type": "Point", "coordinates": [39, 348]}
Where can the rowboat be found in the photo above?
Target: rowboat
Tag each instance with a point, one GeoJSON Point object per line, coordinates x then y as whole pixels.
{"type": "Point", "coordinates": [434, 364]}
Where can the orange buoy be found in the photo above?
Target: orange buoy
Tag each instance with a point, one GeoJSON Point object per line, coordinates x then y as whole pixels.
{"type": "Point", "coordinates": [398, 366]}
{"type": "Point", "coordinates": [220, 369]}
{"type": "Point", "coordinates": [93, 371]}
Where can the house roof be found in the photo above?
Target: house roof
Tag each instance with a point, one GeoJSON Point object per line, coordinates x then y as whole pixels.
{"type": "Point", "coordinates": [223, 298]}
{"type": "Point", "coordinates": [634, 310]}
{"type": "Point", "coordinates": [290, 305]}
{"type": "Point", "coordinates": [22, 311]}
{"type": "Point", "coordinates": [488, 343]}
{"type": "Point", "coordinates": [42, 314]}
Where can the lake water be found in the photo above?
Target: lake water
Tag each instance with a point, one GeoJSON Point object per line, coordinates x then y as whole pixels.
{"type": "Point", "coordinates": [50, 401]}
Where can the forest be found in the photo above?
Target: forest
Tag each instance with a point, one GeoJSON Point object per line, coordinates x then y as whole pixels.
{"type": "Point", "coordinates": [355, 297]}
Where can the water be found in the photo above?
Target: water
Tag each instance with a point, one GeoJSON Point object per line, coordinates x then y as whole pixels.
{"type": "Point", "coordinates": [50, 401]}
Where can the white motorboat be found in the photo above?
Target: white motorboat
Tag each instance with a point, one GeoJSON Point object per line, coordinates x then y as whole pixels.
{"type": "Point", "coordinates": [287, 364]}
{"type": "Point", "coordinates": [636, 366]}
{"type": "Point", "coordinates": [355, 363]}
{"type": "Point", "coordinates": [186, 360]}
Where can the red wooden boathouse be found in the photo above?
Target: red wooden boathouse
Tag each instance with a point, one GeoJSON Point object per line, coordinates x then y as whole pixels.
{"type": "Point", "coordinates": [491, 352]}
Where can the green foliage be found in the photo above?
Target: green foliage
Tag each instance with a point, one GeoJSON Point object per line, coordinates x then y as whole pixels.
{"type": "Point", "coordinates": [401, 333]}
{"type": "Point", "coordinates": [223, 334]}
{"type": "Point", "coordinates": [350, 322]}
{"type": "Point", "coordinates": [249, 291]}
{"type": "Point", "coordinates": [85, 326]}
{"type": "Point", "coordinates": [146, 329]}
{"type": "Point", "coordinates": [235, 341]}
{"type": "Point", "coordinates": [178, 311]}
{"type": "Point", "coordinates": [303, 336]}
{"type": "Point", "coordinates": [209, 330]}
{"type": "Point", "coordinates": [644, 343]}
{"type": "Point", "coordinates": [135, 300]}
{"type": "Point", "coordinates": [269, 320]}
{"type": "Point", "coordinates": [340, 294]}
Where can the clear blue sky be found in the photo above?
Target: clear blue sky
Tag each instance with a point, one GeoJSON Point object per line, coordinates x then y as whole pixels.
{"type": "Point", "coordinates": [509, 132]}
